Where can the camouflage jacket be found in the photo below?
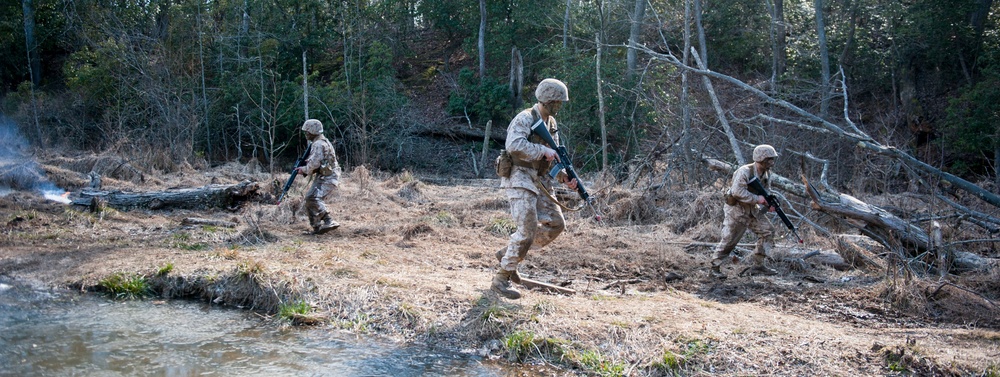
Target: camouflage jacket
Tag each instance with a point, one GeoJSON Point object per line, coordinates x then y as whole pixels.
{"type": "Point", "coordinates": [738, 188]}
{"type": "Point", "coordinates": [524, 146]}
{"type": "Point", "coordinates": [322, 153]}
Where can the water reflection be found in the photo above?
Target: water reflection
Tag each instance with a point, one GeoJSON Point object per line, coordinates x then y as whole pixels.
{"type": "Point", "coordinates": [63, 334]}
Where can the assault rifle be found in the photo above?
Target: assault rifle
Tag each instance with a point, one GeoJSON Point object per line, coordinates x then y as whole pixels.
{"type": "Point", "coordinates": [540, 129]}
{"type": "Point", "coordinates": [756, 188]}
{"type": "Point", "coordinates": [298, 163]}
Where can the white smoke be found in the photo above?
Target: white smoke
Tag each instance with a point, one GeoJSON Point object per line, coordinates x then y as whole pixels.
{"type": "Point", "coordinates": [20, 172]}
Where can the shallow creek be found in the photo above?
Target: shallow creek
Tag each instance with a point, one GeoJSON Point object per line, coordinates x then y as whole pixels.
{"type": "Point", "coordinates": [52, 333]}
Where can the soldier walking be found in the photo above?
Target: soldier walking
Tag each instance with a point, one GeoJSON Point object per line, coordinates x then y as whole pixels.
{"type": "Point", "coordinates": [538, 218]}
{"type": "Point", "coordinates": [322, 162]}
{"type": "Point", "coordinates": [745, 210]}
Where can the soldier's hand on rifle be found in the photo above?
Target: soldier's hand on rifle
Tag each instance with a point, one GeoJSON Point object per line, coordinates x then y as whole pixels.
{"type": "Point", "coordinates": [571, 184]}
{"type": "Point", "coordinates": [761, 200]}
{"type": "Point", "coordinates": [549, 154]}
{"type": "Point", "coordinates": [300, 171]}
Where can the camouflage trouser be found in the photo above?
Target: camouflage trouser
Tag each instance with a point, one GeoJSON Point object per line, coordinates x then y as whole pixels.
{"type": "Point", "coordinates": [738, 220]}
{"type": "Point", "coordinates": [321, 188]}
{"type": "Point", "coordinates": [538, 220]}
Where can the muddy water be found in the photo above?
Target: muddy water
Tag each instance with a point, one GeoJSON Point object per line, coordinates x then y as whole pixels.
{"type": "Point", "coordinates": [45, 333]}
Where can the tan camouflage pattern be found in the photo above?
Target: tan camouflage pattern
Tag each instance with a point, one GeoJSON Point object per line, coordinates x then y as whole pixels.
{"type": "Point", "coordinates": [322, 186]}
{"type": "Point", "coordinates": [551, 90]}
{"type": "Point", "coordinates": [763, 151]}
{"type": "Point", "coordinates": [539, 220]}
{"type": "Point", "coordinates": [746, 214]}
{"type": "Point", "coordinates": [521, 146]}
{"type": "Point", "coordinates": [313, 126]}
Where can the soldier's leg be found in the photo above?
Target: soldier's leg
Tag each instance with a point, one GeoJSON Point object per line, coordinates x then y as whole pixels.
{"type": "Point", "coordinates": [324, 187]}
{"type": "Point", "coordinates": [524, 213]}
{"type": "Point", "coordinates": [765, 242]}
{"type": "Point", "coordinates": [551, 222]}
{"type": "Point", "coordinates": [313, 207]}
{"type": "Point", "coordinates": [522, 210]}
{"type": "Point", "coordinates": [733, 228]}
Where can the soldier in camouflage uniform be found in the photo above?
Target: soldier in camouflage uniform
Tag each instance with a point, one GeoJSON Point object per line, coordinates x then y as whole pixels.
{"type": "Point", "coordinates": [322, 162]}
{"type": "Point", "coordinates": [539, 220]}
{"type": "Point", "coordinates": [745, 210]}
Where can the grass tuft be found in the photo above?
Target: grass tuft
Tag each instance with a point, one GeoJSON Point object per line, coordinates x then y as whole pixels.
{"type": "Point", "coordinates": [163, 271]}
{"type": "Point", "coordinates": [501, 226]}
{"type": "Point", "coordinates": [126, 286]}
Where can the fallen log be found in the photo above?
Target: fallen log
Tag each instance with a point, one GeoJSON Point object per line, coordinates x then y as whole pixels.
{"type": "Point", "coordinates": [874, 221]}
{"type": "Point", "coordinates": [824, 257]}
{"type": "Point", "coordinates": [209, 222]}
{"type": "Point", "coordinates": [540, 285]}
{"type": "Point", "coordinates": [210, 196]}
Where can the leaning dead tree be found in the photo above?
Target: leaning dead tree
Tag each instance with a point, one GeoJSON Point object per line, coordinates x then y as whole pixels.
{"type": "Point", "coordinates": [872, 221]}
{"type": "Point", "coordinates": [823, 127]}
{"type": "Point", "coordinates": [210, 196]}
{"type": "Point", "coordinates": [904, 239]}
{"type": "Point", "coordinates": [877, 223]}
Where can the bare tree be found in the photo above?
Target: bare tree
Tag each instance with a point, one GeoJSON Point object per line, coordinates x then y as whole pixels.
{"type": "Point", "coordinates": [824, 58]}
{"type": "Point", "coordinates": [34, 64]}
{"type": "Point", "coordinates": [778, 40]}
{"type": "Point", "coordinates": [516, 77]}
{"type": "Point", "coordinates": [600, 107]}
{"type": "Point", "coordinates": [305, 86]}
{"type": "Point", "coordinates": [633, 36]}
{"type": "Point", "coordinates": [482, 39]}
{"type": "Point", "coordinates": [566, 24]}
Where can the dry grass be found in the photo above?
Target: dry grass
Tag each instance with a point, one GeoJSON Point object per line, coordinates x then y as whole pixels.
{"type": "Point", "coordinates": [414, 260]}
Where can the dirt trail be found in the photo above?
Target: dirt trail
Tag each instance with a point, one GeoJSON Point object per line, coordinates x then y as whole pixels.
{"type": "Point", "coordinates": [413, 260]}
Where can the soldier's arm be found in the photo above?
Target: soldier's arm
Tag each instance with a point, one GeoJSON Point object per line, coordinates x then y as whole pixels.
{"type": "Point", "coordinates": [739, 187]}
{"type": "Point", "coordinates": [314, 160]}
{"type": "Point", "coordinates": [517, 139]}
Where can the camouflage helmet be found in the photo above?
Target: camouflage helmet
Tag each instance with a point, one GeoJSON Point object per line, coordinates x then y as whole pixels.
{"type": "Point", "coordinates": [763, 151]}
{"type": "Point", "coordinates": [551, 90]}
{"type": "Point", "coordinates": [313, 126]}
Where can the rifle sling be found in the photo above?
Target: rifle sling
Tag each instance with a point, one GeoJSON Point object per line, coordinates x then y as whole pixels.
{"type": "Point", "coordinates": [542, 188]}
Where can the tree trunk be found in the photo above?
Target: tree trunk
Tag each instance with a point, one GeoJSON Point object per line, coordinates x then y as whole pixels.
{"type": "Point", "coordinates": [34, 64]}
{"type": "Point", "coordinates": [210, 196]}
{"type": "Point", "coordinates": [482, 39]}
{"type": "Point", "coordinates": [733, 141]}
{"type": "Point", "coordinates": [633, 36]}
{"type": "Point", "coordinates": [878, 224]}
{"type": "Point", "coordinates": [782, 39]}
{"type": "Point", "coordinates": [685, 151]}
{"type": "Point", "coordinates": [566, 24]}
{"type": "Point", "coordinates": [600, 107]}
{"type": "Point", "coordinates": [824, 57]}
{"type": "Point", "coordinates": [516, 77]}
{"type": "Point", "coordinates": [702, 45]}
{"type": "Point", "coordinates": [305, 87]}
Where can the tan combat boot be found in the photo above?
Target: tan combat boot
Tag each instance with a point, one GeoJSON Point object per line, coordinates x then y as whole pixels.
{"type": "Point", "coordinates": [717, 269]}
{"type": "Point", "coordinates": [326, 225]}
{"type": "Point", "coordinates": [501, 285]}
{"type": "Point", "coordinates": [514, 277]}
{"type": "Point", "coordinates": [759, 268]}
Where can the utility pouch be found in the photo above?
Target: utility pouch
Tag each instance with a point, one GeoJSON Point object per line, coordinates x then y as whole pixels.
{"type": "Point", "coordinates": [504, 164]}
{"type": "Point", "coordinates": [326, 169]}
{"type": "Point", "coordinates": [729, 198]}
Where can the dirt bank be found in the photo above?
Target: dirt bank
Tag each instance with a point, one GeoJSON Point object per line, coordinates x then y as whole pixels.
{"type": "Point", "coordinates": [413, 260]}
